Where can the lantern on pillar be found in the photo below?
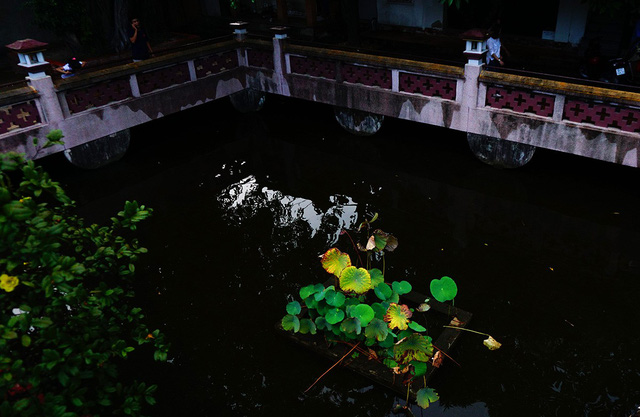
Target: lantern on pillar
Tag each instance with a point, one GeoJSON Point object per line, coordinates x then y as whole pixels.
{"type": "Point", "coordinates": [475, 46]}
{"type": "Point", "coordinates": [280, 32]}
{"type": "Point", "coordinates": [31, 57]}
{"type": "Point", "coordinates": [239, 29]}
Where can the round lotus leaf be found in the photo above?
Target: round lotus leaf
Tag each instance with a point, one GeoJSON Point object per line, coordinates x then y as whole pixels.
{"type": "Point", "coordinates": [398, 316]}
{"type": "Point", "coordinates": [335, 298]}
{"type": "Point", "coordinates": [322, 324]}
{"type": "Point", "coordinates": [402, 287]}
{"type": "Point", "coordinates": [388, 342]}
{"type": "Point", "coordinates": [311, 303]}
{"type": "Point", "coordinates": [415, 347]}
{"type": "Point", "coordinates": [290, 322]}
{"type": "Point", "coordinates": [377, 329]}
{"type": "Point", "coordinates": [362, 312]}
{"type": "Point", "coordinates": [355, 279]}
{"type": "Point", "coordinates": [334, 261]}
{"type": "Point", "coordinates": [443, 289]}
{"type": "Point", "coordinates": [310, 290]}
{"type": "Point", "coordinates": [334, 316]}
{"type": "Point", "coordinates": [379, 310]}
{"type": "Point", "coordinates": [376, 277]}
{"type": "Point", "coordinates": [351, 326]}
{"type": "Point", "coordinates": [294, 308]}
{"type": "Point", "coordinates": [383, 291]}
{"type": "Point", "coordinates": [426, 396]}
{"type": "Point", "coordinates": [419, 368]}
{"type": "Point", "coordinates": [307, 326]}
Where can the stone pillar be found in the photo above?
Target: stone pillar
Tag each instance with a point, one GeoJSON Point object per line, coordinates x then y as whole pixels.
{"type": "Point", "coordinates": [280, 59]}
{"type": "Point", "coordinates": [100, 152]}
{"type": "Point", "coordinates": [49, 103]}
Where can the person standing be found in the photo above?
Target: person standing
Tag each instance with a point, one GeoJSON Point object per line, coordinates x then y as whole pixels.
{"type": "Point", "coordinates": [494, 56]}
{"type": "Point", "coordinates": [140, 46]}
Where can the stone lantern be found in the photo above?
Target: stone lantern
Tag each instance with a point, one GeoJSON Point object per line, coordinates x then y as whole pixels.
{"type": "Point", "coordinates": [239, 29]}
{"type": "Point", "coordinates": [31, 57]}
{"type": "Point", "coordinates": [476, 46]}
{"type": "Point", "coordinates": [280, 32]}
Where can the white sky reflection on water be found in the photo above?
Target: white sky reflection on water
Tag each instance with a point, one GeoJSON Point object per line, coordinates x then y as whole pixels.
{"type": "Point", "coordinates": [246, 197]}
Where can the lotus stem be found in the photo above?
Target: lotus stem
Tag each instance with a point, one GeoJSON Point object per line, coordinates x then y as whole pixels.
{"type": "Point", "coordinates": [355, 248]}
{"type": "Point", "coordinates": [467, 330]}
{"type": "Point", "coordinates": [334, 365]}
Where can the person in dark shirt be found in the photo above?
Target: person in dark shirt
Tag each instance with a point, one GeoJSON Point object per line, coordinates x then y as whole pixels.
{"type": "Point", "coordinates": [140, 46]}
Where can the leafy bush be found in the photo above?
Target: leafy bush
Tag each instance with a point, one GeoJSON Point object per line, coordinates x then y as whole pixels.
{"type": "Point", "coordinates": [67, 314]}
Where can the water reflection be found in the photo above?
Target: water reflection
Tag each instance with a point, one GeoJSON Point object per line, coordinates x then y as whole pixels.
{"type": "Point", "coordinates": [301, 217]}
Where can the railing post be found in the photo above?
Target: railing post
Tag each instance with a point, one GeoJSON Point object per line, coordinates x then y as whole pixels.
{"type": "Point", "coordinates": [475, 51]}
{"type": "Point", "coordinates": [280, 59]}
{"type": "Point", "coordinates": [239, 30]}
{"type": "Point", "coordinates": [31, 60]}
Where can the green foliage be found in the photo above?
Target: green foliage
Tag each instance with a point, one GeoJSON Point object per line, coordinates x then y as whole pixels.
{"type": "Point", "coordinates": [364, 308]}
{"type": "Point", "coordinates": [443, 289]}
{"type": "Point", "coordinates": [67, 315]}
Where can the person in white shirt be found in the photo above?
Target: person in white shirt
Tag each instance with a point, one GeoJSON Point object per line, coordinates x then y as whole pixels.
{"type": "Point", "coordinates": [494, 56]}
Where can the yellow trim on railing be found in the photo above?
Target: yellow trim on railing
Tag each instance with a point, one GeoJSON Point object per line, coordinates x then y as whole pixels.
{"type": "Point", "coordinates": [559, 87]}
{"type": "Point", "coordinates": [382, 61]}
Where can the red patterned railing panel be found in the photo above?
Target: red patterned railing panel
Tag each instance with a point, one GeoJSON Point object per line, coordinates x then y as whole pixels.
{"type": "Point", "coordinates": [427, 86]}
{"type": "Point", "coordinates": [97, 95]}
{"type": "Point", "coordinates": [163, 78]}
{"type": "Point", "coordinates": [369, 76]}
{"type": "Point", "coordinates": [216, 64]}
{"type": "Point", "coordinates": [18, 116]}
{"type": "Point", "coordinates": [602, 115]}
{"type": "Point", "coordinates": [313, 67]}
{"type": "Point", "coordinates": [259, 58]}
{"type": "Point", "coordinates": [520, 101]}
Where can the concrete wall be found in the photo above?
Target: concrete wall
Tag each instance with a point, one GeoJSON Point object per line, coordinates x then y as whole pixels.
{"type": "Point", "coordinates": [421, 14]}
{"type": "Point", "coordinates": [572, 21]}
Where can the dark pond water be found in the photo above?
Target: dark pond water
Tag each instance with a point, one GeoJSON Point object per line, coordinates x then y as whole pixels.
{"type": "Point", "coordinates": [546, 257]}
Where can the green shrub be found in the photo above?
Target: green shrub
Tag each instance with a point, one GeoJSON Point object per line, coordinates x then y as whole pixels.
{"type": "Point", "coordinates": [68, 319]}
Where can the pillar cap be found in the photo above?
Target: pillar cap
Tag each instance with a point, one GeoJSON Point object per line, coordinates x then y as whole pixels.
{"type": "Point", "coordinates": [26, 45]}
{"type": "Point", "coordinates": [474, 35]}
{"type": "Point", "coordinates": [239, 25]}
{"type": "Point", "coordinates": [279, 30]}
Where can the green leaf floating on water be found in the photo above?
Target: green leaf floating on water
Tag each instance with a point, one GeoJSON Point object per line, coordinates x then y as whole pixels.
{"type": "Point", "coordinates": [401, 287]}
{"type": "Point", "coordinates": [413, 348]}
{"type": "Point", "coordinates": [376, 277]}
{"type": "Point", "coordinates": [383, 291]}
{"type": "Point", "coordinates": [334, 261]}
{"type": "Point", "coordinates": [290, 322]}
{"type": "Point", "coordinates": [355, 279]}
{"type": "Point", "coordinates": [294, 308]}
{"type": "Point", "coordinates": [377, 329]}
{"type": "Point", "coordinates": [307, 326]}
{"type": "Point", "coordinates": [415, 326]}
{"type": "Point", "coordinates": [363, 312]}
{"type": "Point", "coordinates": [334, 298]}
{"type": "Point", "coordinates": [426, 396]}
{"type": "Point", "coordinates": [334, 316]}
{"type": "Point", "coordinates": [351, 326]}
{"type": "Point", "coordinates": [309, 290]}
{"type": "Point", "coordinates": [444, 289]}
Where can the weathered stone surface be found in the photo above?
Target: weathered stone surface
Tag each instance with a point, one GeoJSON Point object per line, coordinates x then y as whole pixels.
{"type": "Point", "coordinates": [358, 122]}
{"type": "Point", "coordinates": [100, 152]}
{"type": "Point", "coordinates": [248, 100]}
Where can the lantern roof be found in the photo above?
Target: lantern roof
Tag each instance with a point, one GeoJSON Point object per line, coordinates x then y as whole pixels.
{"type": "Point", "coordinates": [474, 35]}
{"type": "Point", "coordinates": [26, 45]}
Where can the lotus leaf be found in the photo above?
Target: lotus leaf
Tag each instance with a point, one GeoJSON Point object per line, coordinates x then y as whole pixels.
{"type": "Point", "coordinates": [290, 322]}
{"type": "Point", "coordinates": [334, 298]}
{"type": "Point", "coordinates": [388, 342]}
{"type": "Point", "coordinates": [401, 287]}
{"type": "Point", "coordinates": [377, 329]}
{"type": "Point", "coordinates": [379, 310]}
{"type": "Point", "coordinates": [351, 326]}
{"type": "Point", "coordinates": [413, 348]}
{"type": "Point", "coordinates": [334, 316]}
{"type": "Point", "coordinates": [383, 291]}
{"type": "Point", "coordinates": [419, 368]}
{"type": "Point", "coordinates": [322, 324]}
{"type": "Point", "coordinates": [443, 289]}
{"type": "Point", "coordinates": [334, 261]}
{"type": "Point", "coordinates": [383, 241]}
{"type": "Point", "coordinates": [376, 277]}
{"type": "Point", "coordinates": [363, 312]}
{"type": "Point", "coordinates": [294, 308]}
{"type": "Point", "coordinates": [311, 303]}
{"type": "Point", "coordinates": [398, 316]}
{"type": "Point", "coordinates": [307, 326]}
{"type": "Point", "coordinates": [310, 290]}
{"type": "Point", "coordinates": [415, 326]}
{"type": "Point", "coordinates": [355, 279]}
{"type": "Point", "coordinates": [426, 396]}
